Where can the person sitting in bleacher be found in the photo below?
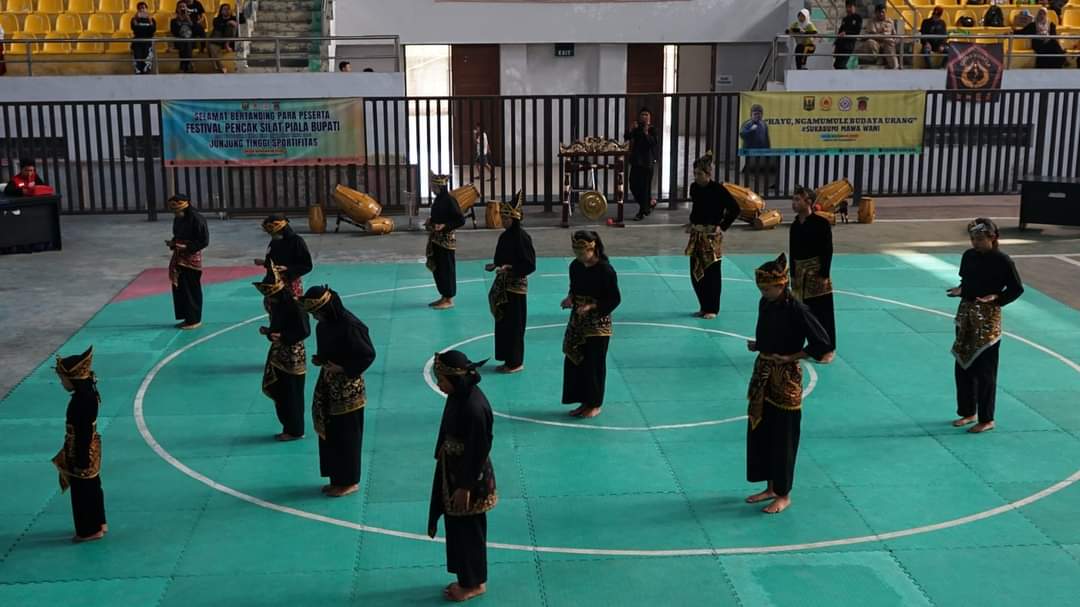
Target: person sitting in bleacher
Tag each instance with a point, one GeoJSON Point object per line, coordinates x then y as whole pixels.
{"type": "Point", "coordinates": [143, 27]}
{"type": "Point", "coordinates": [933, 32]}
{"type": "Point", "coordinates": [883, 42]}
{"type": "Point", "coordinates": [185, 26]}
{"type": "Point", "coordinates": [1048, 51]}
{"type": "Point", "coordinates": [226, 25]}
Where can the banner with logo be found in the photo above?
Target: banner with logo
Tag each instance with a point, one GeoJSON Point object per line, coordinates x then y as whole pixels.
{"type": "Point", "coordinates": [808, 124]}
{"type": "Point", "coordinates": [261, 133]}
{"type": "Point", "coordinates": [975, 70]}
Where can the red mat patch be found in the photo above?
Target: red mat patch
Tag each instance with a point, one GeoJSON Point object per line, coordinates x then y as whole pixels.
{"type": "Point", "coordinates": [156, 281]}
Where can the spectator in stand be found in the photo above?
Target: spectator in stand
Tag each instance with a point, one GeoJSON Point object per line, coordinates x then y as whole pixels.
{"type": "Point", "coordinates": [25, 181]}
{"type": "Point", "coordinates": [226, 25]}
{"type": "Point", "coordinates": [198, 12]}
{"type": "Point", "coordinates": [3, 66]}
{"type": "Point", "coordinates": [482, 151]}
{"type": "Point", "coordinates": [184, 26]}
{"type": "Point", "coordinates": [850, 26]}
{"type": "Point", "coordinates": [1048, 51]}
{"type": "Point", "coordinates": [933, 32]}
{"type": "Point", "coordinates": [143, 27]}
{"type": "Point", "coordinates": [804, 45]}
{"type": "Point", "coordinates": [344, 66]}
{"type": "Point", "coordinates": [882, 41]}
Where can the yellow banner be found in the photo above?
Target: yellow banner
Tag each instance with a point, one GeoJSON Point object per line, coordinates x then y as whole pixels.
{"type": "Point", "coordinates": [803, 124]}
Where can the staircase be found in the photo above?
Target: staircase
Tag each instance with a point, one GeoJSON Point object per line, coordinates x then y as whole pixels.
{"type": "Point", "coordinates": [286, 19]}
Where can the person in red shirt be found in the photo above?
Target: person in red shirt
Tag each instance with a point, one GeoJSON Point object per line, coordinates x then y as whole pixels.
{"type": "Point", "coordinates": [26, 181]}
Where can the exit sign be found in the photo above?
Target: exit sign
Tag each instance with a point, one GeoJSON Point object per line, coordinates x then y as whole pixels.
{"type": "Point", "coordinates": [564, 50]}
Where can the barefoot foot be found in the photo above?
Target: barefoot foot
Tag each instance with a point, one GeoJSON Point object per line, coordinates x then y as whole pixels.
{"type": "Point", "coordinates": [458, 594]}
{"type": "Point", "coordinates": [761, 497]}
{"type": "Point", "coordinates": [980, 428]}
{"type": "Point", "coordinates": [709, 316]}
{"type": "Point", "coordinates": [88, 538]}
{"type": "Point", "coordinates": [590, 412]}
{"type": "Point", "coordinates": [342, 491]}
{"type": "Point", "coordinates": [778, 505]}
{"type": "Point", "coordinates": [963, 421]}
{"type": "Point", "coordinates": [577, 412]}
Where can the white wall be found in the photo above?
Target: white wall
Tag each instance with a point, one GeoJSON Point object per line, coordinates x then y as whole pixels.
{"type": "Point", "coordinates": [533, 69]}
{"type": "Point", "coordinates": [905, 80]}
{"type": "Point", "coordinates": [509, 22]}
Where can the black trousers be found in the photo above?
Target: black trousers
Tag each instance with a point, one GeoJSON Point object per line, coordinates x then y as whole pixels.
{"type": "Point", "coordinates": [445, 272]}
{"type": "Point", "coordinates": [584, 383]}
{"type": "Point", "coordinates": [87, 505]}
{"type": "Point", "coordinates": [772, 447]}
{"type": "Point", "coordinates": [188, 297]}
{"type": "Point", "coordinates": [842, 51]}
{"type": "Point", "coordinates": [339, 453]}
{"type": "Point", "coordinates": [976, 386]}
{"type": "Point", "coordinates": [510, 331]}
{"type": "Point", "coordinates": [802, 51]}
{"type": "Point", "coordinates": [185, 50]}
{"type": "Point", "coordinates": [822, 309]}
{"type": "Point", "coordinates": [288, 395]}
{"type": "Point", "coordinates": [641, 188]}
{"type": "Point", "coordinates": [466, 549]}
{"type": "Point", "coordinates": [709, 287]}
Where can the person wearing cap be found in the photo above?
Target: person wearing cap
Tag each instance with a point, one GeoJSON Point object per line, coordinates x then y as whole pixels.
{"type": "Point", "coordinates": [786, 333]}
{"type": "Point", "coordinates": [515, 259]}
{"type": "Point", "coordinates": [344, 353]}
{"type": "Point", "coordinates": [286, 363]}
{"type": "Point", "coordinates": [26, 181]}
{"type": "Point", "coordinates": [79, 460]}
{"type": "Point", "coordinates": [463, 486]}
{"type": "Point", "coordinates": [811, 248]}
{"type": "Point", "coordinates": [190, 237]}
{"type": "Point", "coordinates": [714, 210]}
{"type": "Point", "coordinates": [287, 253]}
{"type": "Point", "coordinates": [882, 40]}
{"type": "Point", "coordinates": [988, 282]}
{"type": "Point", "coordinates": [934, 32]}
{"type": "Point", "coordinates": [446, 218]}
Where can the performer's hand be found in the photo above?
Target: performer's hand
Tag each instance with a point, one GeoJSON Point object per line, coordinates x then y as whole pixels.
{"type": "Point", "coordinates": [169, 243]}
{"type": "Point", "coordinates": [179, 245]}
{"type": "Point", "coordinates": [489, 267]}
{"type": "Point", "coordinates": [439, 227]}
{"type": "Point", "coordinates": [567, 303]}
{"type": "Point", "coordinates": [506, 268]}
{"type": "Point", "coordinates": [585, 309]}
{"type": "Point", "coordinates": [828, 358]}
{"type": "Point", "coordinates": [987, 298]}
{"type": "Point", "coordinates": [432, 530]}
{"type": "Point", "coordinates": [953, 292]}
{"type": "Point", "coordinates": [264, 330]}
{"type": "Point", "coordinates": [751, 345]}
{"type": "Point", "coordinates": [460, 500]}
{"type": "Point", "coordinates": [275, 337]}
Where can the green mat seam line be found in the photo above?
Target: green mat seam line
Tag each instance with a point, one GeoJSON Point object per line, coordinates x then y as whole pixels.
{"type": "Point", "coordinates": [530, 521]}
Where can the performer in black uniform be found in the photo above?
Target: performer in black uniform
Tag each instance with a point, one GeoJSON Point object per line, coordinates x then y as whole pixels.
{"type": "Point", "coordinates": [810, 242]}
{"type": "Point", "coordinates": [514, 260]}
{"type": "Point", "coordinates": [445, 218]}
{"type": "Point", "coordinates": [463, 487]}
{"type": "Point", "coordinates": [594, 295]}
{"type": "Point", "coordinates": [786, 333]}
{"type": "Point", "coordinates": [714, 210]}
{"type": "Point", "coordinates": [345, 351]}
{"type": "Point", "coordinates": [988, 282]}
{"type": "Point", "coordinates": [286, 363]}
{"type": "Point", "coordinates": [79, 460]}
{"type": "Point", "coordinates": [287, 252]}
{"type": "Point", "coordinates": [190, 237]}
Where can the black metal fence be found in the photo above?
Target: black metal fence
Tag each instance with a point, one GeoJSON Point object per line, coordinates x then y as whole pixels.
{"type": "Point", "coordinates": [105, 157]}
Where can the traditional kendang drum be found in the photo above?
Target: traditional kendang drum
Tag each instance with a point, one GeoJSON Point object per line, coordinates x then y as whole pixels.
{"type": "Point", "coordinates": [593, 205]}
{"type": "Point", "coordinates": [357, 205]}
{"type": "Point", "coordinates": [316, 219]}
{"type": "Point", "coordinates": [866, 210]}
{"type": "Point", "coordinates": [492, 218]}
{"type": "Point", "coordinates": [831, 217]}
{"type": "Point", "coordinates": [768, 220]}
{"type": "Point", "coordinates": [750, 203]}
{"type": "Point", "coordinates": [466, 196]}
{"type": "Point", "coordinates": [379, 225]}
{"type": "Point", "coordinates": [830, 195]}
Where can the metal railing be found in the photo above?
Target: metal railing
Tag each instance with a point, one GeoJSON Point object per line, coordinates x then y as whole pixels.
{"type": "Point", "coordinates": [105, 157]}
{"type": "Point", "coordinates": [29, 54]}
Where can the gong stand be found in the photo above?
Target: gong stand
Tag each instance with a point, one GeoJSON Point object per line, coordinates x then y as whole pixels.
{"type": "Point", "coordinates": [590, 162]}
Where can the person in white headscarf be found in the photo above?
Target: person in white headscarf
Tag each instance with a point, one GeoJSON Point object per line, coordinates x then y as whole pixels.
{"type": "Point", "coordinates": [804, 45]}
{"type": "Point", "coordinates": [1048, 51]}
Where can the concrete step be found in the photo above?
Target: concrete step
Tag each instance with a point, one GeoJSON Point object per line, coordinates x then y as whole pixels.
{"type": "Point", "coordinates": [282, 29]}
{"type": "Point", "coordinates": [268, 48]}
{"type": "Point", "coordinates": [283, 16]}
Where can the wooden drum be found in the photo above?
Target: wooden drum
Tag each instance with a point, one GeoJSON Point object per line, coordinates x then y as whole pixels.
{"type": "Point", "coordinates": [380, 225]}
{"type": "Point", "coordinates": [830, 195]}
{"type": "Point", "coordinates": [750, 203]}
{"type": "Point", "coordinates": [492, 218]}
{"type": "Point", "coordinates": [357, 205]}
{"type": "Point", "coordinates": [866, 210]}
{"type": "Point", "coordinates": [466, 196]}
{"type": "Point", "coordinates": [768, 220]}
{"type": "Point", "coordinates": [830, 217]}
{"type": "Point", "coordinates": [316, 219]}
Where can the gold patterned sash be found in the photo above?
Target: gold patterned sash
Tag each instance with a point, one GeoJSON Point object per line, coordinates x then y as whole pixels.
{"type": "Point", "coordinates": [479, 501]}
{"type": "Point", "coordinates": [335, 394]}
{"type": "Point", "coordinates": [66, 458]}
{"type": "Point", "coordinates": [505, 283]}
{"type": "Point", "coordinates": [291, 360]}
{"type": "Point", "coordinates": [778, 383]}
{"type": "Point", "coordinates": [705, 247]}
{"type": "Point", "coordinates": [807, 282]}
{"type": "Point", "coordinates": [445, 240]}
{"type": "Point", "coordinates": [978, 327]}
{"type": "Point", "coordinates": [582, 326]}
{"type": "Point", "coordinates": [180, 259]}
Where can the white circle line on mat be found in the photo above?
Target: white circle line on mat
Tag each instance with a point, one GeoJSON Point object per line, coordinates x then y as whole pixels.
{"type": "Point", "coordinates": [430, 379]}
{"type": "Point", "coordinates": [140, 422]}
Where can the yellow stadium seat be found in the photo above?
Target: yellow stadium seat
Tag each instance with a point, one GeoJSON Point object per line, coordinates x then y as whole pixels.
{"type": "Point", "coordinates": [133, 5]}
{"type": "Point", "coordinates": [9, 23]}
{"type": "Point", "coordinates": [89, 47]}
{"type": "Point", "coordinates": [100, 24]}
{"type": "Point", "coordinates": [162, 20]}
{"type": "Point", "coordinates": [53, 46]}
{"type": "Point", "coordinates": [167, 6]}
{"type": "Point", "coordinates": [37, 24]}
{"type": "Point", "coordinates": [112, 6]}
{"type": "Point", "coordinates": [69, 23]}
{"type": "Point", "coordinates": [948, 2]}
{"type": "Point", "coordinates": [1071, 16]}
{"type": "Point", "coordinates": [50, 7]}
{"type": "Point", "coordinates": [19, 7]}
{"type": "Point", "coordinates": [120, 44]}
{"type": "Point", "coordinates": [123, 23]}
{"type": "Point", "coordinates": [81, 7]}
{"type": "Point", "coordinates": [24, 40]}
{"type": "Point", "coordinates": [211, 7]}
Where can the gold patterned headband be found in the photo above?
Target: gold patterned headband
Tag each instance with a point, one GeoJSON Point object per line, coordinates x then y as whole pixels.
{"type": "Point", "coordinates": [584, 245]}
{"type": "Point", "coordinates": [440, 179]}
{"type": "Point", "coordinates": [314, 304]}
{"type": "Point", "coordinates": [270, 288]}
{"type": "Point", "coordinates": [766, 276]}
{"type": "Point", "coordinates": [273, 227]}
{"type": "Point", "coordinates": [513, 210]}
{"type": "Point", "coordinates": [80, 369]}
{"type": "Point", "coordinates": [178, 204]}
{"type": "Point", "coordinates": [442, 368]}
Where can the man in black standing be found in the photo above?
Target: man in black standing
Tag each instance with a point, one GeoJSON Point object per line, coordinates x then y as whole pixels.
{"type": "Point", "coordinates": [642, 138]}
{"type": "Point", "coordinates": [851, 25]}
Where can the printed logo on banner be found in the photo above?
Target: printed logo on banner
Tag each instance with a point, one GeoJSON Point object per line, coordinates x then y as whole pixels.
{"type": "Point", "coordinates": [864, 103]}
{"type": "Point", "coordinates": [845, 104]}
{"type": "Point", "coordinates": [975, 70]}
{"type": "Point", "coordinates": [826, 104]}
{"type": "Point", "coordinates": [808, 103]}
